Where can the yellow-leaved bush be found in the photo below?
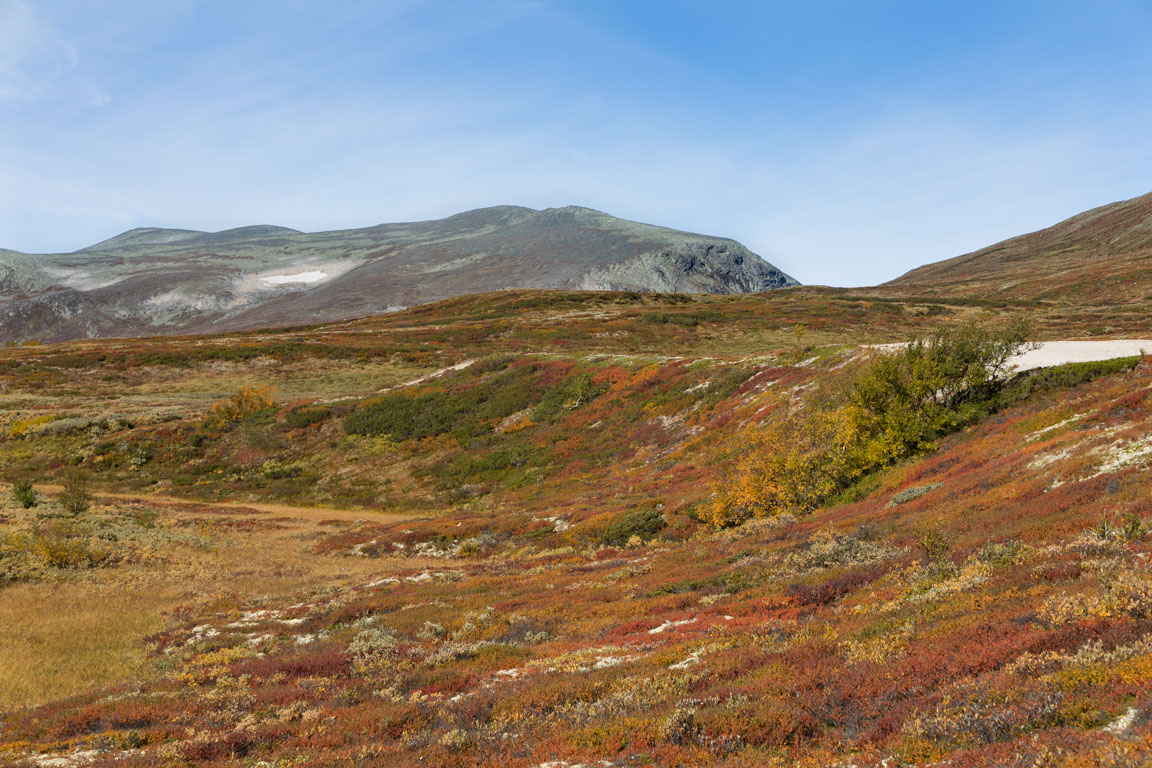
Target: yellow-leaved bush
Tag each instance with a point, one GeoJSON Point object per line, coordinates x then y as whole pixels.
{"type": "Point", "coordinates": [791, 465]}
{"type": "Point", "coordinates": [247, 402]}
{"type": "Point", "coordinates": [895, 405]}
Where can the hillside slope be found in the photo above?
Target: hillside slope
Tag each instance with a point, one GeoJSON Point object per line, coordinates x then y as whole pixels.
{"type": "Point", "coordinates": [1102, 255]}
{"type": "Point", "coordinates": [505, 562]}
{"type": "Point", "coordinates": [161, 281]}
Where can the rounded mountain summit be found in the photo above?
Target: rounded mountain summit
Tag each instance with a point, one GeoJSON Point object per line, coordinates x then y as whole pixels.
{"type": "Point", "coordinates": [157, 281]}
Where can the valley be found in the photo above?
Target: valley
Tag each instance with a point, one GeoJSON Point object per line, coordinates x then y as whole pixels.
{"type": "Point", "coordinates": [479, 532]}
{"type": "Point", "coordinates": [822, 439]}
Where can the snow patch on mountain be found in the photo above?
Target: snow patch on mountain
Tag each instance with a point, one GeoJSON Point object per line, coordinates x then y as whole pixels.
{"type": "Point", "coordinates": [300, 277]}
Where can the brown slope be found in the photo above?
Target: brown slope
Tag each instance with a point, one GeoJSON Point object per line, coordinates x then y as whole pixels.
{"type": "Point", "coordinates": [1099, 256]}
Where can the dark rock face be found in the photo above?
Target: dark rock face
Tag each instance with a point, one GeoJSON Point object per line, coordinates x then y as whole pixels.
{"type": "Point", "coordinates": [733, 268]}
{"type": "Point", "coordinates": [44, 316]}
{"type": "Point", "coordinates": [692, 267]}
{"type": "Point", "coordinates": [157, 281]}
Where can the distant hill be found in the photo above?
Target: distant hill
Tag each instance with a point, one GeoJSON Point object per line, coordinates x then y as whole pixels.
{"type": "Point", "coordinates": [161, 281]}
{"type": "Point", "coordinates": [1100, 256]}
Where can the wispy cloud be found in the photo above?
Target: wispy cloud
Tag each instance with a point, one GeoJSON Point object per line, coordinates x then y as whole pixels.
{"type": "Point", "coordinates": [33, 56]}
{"type": "Point", "coordinates": [843, 152]}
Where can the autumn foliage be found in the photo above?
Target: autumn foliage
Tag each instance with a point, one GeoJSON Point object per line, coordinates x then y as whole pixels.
{"type": "Point", "coordinates": [507, 564]}
{"type": "Point", "coordinates": [895, 405]}
{"type": "Point", "coordinates": [246, 402]}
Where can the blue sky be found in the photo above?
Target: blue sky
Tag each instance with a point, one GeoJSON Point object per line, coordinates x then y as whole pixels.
{"type": "Point", "coordinates": [845, 141]}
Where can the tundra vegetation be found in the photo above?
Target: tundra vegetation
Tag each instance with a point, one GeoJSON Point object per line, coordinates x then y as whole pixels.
{"type": "Point", "coordinates": [564, 529]}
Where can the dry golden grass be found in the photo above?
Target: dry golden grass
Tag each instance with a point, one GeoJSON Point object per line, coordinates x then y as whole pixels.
{"type": "Point", "coordinates": [62, 638]}
{"type": "Point", "coordinates": [295, 515]}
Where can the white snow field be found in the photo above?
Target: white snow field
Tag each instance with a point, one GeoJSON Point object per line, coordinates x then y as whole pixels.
{"type": "Point", "coordinates": [300, 277]}
{"type": "Point", "coordinates": [1049, 353]}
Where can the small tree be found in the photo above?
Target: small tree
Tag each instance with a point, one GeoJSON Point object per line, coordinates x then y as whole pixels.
{"type": "Point", "coordinates": [76, 496]}
{"type": "Point", "coordinates": [792, 465]}
{"type": "Point", "coordinates": [1133, 528]}
{"type": "Point", "coordinates": [24, 493]}
{"type": "Point", "coordinates": [908, 397]}
{"type": "Point", "coordinates": [247, 402]}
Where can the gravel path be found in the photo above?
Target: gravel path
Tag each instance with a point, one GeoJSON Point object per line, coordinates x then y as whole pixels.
{"type": "Point", "coordinates": [1059, 352]}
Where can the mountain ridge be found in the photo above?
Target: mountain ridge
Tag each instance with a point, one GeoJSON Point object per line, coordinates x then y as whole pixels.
{"type": "Point", "coordinates": [154, 281]}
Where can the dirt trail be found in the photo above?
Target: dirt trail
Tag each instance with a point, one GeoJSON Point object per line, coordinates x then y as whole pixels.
{"type": "Point", "coordinates": [305, 514]}
{"type": "Point", "coordinates": [1048, 353]}
{"type": "Point", "coordinates": [1045, 354]}
{"type": "Point", "coordinates": [411, 383]}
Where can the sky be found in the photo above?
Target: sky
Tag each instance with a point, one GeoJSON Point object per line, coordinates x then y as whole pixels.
{"type": "Point", "coordinates": [845, 141]}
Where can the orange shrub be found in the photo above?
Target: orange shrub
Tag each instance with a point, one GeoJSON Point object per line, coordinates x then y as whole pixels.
{"type": "Point", "coordinates": [246, 402]}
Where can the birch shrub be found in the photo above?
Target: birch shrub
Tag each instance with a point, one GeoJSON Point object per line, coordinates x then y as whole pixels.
{"type": "Point", "coordinates": [895, 405]}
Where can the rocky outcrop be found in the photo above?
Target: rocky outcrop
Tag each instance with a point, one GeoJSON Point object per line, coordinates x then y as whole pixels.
{"type": "Point", "coordinates": [693, 267]}
{"type": "Point", "coordinates": [58, 315]}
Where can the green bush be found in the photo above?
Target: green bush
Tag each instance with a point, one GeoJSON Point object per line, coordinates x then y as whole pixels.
{"type": "Point", "coordinates": [76, 495]}
{"type": "Point", "coordinates": [667, 318]}
{"type": "Point", "coordinates": [933, 540]}
{"type": "Point", "coordinates": [575, 391]}
{"type": "Point", "coordinates": [644, 524]}
{"type": "Point", "coordinates": [514, 465]}
{"type": "Point", "coordinates": [469, 411]}
{"type": "Point", "coordinates": [1002, 553]}
{"type": "Point", "coordinates": [24, 494]}
{"type": "Point", "coordinates": [1133, 528]}
{"type": "Point", "coordinates": [1064, 376]}
{"type": "Point", "coordinates": [906, 398]}
{"type": "Point", "coordinates": [145, 518]}
{"type": "Point", "coordinates": [402, 416]}
{"type": "Point", "coordinates": [499, 461]}
{"type": "Point", "coordinates": [306, 417]}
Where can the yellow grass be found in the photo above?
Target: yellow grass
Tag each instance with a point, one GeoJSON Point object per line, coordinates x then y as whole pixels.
{"type": "Point", "coordinates": [59, 639]}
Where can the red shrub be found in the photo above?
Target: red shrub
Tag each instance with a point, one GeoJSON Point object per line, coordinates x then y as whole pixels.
{"type": "Point", "coordinates": [321, 660]}
{"type": "Point", "coordinates": [233, 745]}
{"type": "Point", "coordinates": [837, 587]}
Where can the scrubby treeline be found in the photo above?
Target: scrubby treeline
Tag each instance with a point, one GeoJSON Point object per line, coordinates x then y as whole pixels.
{"type": "Point", "coordinates": [895, 404]}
